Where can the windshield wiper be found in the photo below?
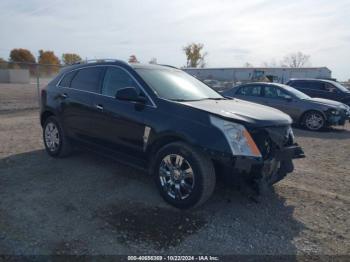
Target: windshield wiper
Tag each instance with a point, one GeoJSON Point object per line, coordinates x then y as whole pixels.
{"type": "Point", "coordinates": [184, 100]}
{"type": "Point", "coordinates": [202, 99]}
{"type": "Point", "coordinates": [218, 98]}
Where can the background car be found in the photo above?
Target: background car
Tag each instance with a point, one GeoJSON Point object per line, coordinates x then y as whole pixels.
{"type": "Point", "coordinates": [215, 84]}
{"type": "Point", "coordinates": [322, 88]}
{"type": "Point", "coordinates": [312, 113]}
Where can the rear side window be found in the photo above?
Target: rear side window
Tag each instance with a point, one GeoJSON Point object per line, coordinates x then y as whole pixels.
{"type": "Point", "coordinates": [115, 79]}
{"type": "Point", "coordinates": [67, 79]}
{"type": "Point", "coordinates": [301, 84]}
{"type": "Point", "coordinates": [315, 85]}
{"type": "Point", "coordinates": [88, 79]}
{"type": "Point", "coordinates": [249, 91]}
{"type": "Point", "coordinates": [274, 92]}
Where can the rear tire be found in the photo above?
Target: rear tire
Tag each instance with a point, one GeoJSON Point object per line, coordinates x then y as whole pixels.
{"type": "Point", "coordinates": [55, 141]}
{"type": "Point", "coordinates": [184, 176]}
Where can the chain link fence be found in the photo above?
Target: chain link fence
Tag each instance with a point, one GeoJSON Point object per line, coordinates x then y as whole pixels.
{"type": "Point", "coordinates": [20, 84]}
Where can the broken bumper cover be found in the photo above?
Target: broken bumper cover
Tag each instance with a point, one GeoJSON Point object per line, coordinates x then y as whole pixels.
{"type": "Point", "coordinates": [274, 169]}
{"type": "Point", "coordinates": [291, 152]}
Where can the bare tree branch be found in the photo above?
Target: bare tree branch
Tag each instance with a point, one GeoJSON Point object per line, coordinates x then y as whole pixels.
{"type": "Point", "coordinates": [296, 60]}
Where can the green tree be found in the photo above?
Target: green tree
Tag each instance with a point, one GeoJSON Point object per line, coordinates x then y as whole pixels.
{"type": "Point", "coordinates": [194, 55]}
{"type": "Point", "coordinates": [48, 62]}
{"type": "Point", "coordinates": [70, 58]}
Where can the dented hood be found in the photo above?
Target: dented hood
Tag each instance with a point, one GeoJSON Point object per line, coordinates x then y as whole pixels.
{"type": "Point", "coordinates": [242, 111]}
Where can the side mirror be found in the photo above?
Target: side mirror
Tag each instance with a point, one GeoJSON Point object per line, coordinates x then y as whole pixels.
{"type": "Point", "coordinates": [129, 94]}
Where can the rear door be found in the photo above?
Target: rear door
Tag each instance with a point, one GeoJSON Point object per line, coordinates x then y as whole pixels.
{"type": "Point", "coordinates": [77, 105]}
{"type": "Point", "coordinates": [304, 86]}
{"type": "Point", "coordinates": [252, 93]}
{"type": "Point", "coordinates": [118, 124]}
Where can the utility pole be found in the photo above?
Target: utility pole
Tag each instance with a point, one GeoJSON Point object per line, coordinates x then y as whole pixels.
{"type": "Point", "coordinates": [38, 81]}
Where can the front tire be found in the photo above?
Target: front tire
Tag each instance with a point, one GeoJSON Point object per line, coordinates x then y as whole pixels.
{"type": "Point", "coordinates": [313, 121]}
{"type": "Point", "coordinates": [55, 141]}
{"type": "Point", "coordinates": [184, 176]}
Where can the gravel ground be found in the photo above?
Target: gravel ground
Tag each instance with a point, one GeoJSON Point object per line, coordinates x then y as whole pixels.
{"type": "Point", "coordinates": [18, 97]}
{"type": "Point", "coordinates": [86, 204]}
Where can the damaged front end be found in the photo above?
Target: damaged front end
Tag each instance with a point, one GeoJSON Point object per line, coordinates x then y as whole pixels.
{"type": "Point", "coordinates": [278, 149]}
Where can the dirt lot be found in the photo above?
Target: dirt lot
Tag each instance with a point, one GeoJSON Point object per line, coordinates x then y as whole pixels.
{"type": "Point", "coordinates": [86, 204]}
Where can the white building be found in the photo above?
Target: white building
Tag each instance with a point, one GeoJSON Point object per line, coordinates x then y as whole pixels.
{"type": "Point", "coordinates": [20, 76]}
{"type": "Point", "coordinates": [276, 74]}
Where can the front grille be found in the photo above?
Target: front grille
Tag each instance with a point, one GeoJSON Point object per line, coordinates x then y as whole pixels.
{"type": "Point", "coordinates": [264, 143]}
{"type": "Point", "coordinates": [270, 139]}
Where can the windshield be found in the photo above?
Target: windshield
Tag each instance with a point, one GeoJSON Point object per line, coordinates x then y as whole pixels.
{"type": "Point", "coordinates": [296, 92]}
{"type": "Point", "coordinates": [177, 85]}
{"type": "Point", "coordinates": [339, 86]}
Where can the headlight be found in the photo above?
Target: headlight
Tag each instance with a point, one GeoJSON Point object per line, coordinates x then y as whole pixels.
{"type": "Point", "coordinates": [239, 139]}
{"type": "Point", "coordinates": [334, 112]}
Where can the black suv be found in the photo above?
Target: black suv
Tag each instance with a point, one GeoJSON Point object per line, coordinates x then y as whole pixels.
{"type": "Point", "coordinates": [322, 88]}
{"type": "Point", "coordinates": [167, 122]}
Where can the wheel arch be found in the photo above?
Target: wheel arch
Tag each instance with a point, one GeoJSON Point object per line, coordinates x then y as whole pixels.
{"type": "Point", "coordinates": [161, 141]}
{"type": "Point", "coordinates": [45, 115]}
{"type": "Point", "coordinates": [301, 119]}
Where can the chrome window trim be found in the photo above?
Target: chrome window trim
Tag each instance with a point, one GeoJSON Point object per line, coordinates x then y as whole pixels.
{"type": "Point", "coordinates": [132, 77]}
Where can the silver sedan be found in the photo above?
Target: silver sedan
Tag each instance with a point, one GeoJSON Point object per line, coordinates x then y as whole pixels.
{"type": "Point", "coordinates": [312, 113]}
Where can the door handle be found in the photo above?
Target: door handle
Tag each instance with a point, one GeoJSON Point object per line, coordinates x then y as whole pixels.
{"type": "Point", "coordinates": [63, 96]}
{"type": "Point", "coordinates": [99, 107]}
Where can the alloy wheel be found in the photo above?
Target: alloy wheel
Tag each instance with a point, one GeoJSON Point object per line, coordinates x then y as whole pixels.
{"type": "Point", "coordinates": [176, 176]}
{"type": "Point", "coordinates": [314, 121]}
{"type": "Point", "coordinates": [52, 137]}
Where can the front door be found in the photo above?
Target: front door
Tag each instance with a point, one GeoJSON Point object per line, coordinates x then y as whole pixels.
{"type": "Point", "coordinates": [119, 125]}
{"type": "Point", "coordinates": [278, 98]}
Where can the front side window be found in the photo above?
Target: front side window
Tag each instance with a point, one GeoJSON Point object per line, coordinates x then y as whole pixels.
{"type": "Point", "coordinates": [330, 88]}
{"type": "Point", "coordinates": [115, 79]}
{"type": "Point", "coordinates": [88, 79]}
{"type": "Point", "coordinates": [67, 79]}
{"type": "Point", "coordinates": [249, 91]}
{"type": "Point", "coordinates": [174, 84]}
{"type": "Point", "coordinates": [294, 92]}
{"type": "Point", "coordinates": [339, 86]}
{"type": "Point", "coordinates": [274, 92]}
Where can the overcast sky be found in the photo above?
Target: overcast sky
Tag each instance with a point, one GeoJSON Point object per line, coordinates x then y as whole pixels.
{"type": "Point", "coordinates": [233, 32]}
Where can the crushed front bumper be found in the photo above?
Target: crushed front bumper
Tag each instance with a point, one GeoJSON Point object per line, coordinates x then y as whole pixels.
{"type": "Point", "coordinates": [271, 170]}
{"type": "Point", "coordinates": [246, 164]}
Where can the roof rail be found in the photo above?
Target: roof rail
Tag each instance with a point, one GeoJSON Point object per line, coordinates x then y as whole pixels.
{"type": "Point", "coordinates": [97, 60]}
{"type": "Point", "coordinates": [168, 66]}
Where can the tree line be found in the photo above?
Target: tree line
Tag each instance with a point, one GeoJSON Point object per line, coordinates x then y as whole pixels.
{"type": "Point", "coordinates": [194, 52]}
{"type": "Point", "coordinates": [21, 55]}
